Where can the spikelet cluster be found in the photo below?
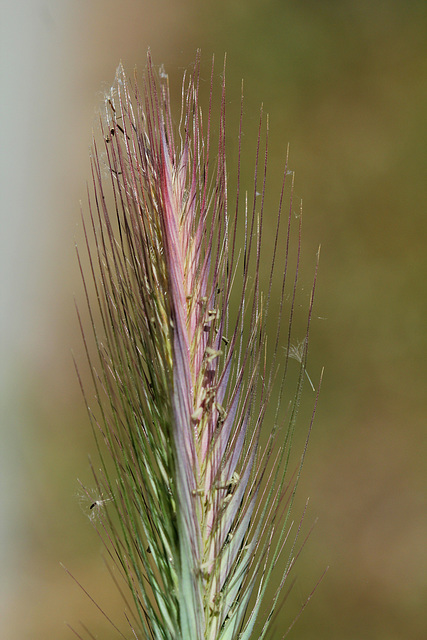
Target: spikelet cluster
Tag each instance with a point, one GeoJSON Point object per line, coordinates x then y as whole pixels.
{"type": "Point", "coordinates": [198, 510]}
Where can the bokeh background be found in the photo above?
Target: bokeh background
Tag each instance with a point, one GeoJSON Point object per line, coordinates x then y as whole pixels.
{"type": "Point", "coordinates": [345, 84]}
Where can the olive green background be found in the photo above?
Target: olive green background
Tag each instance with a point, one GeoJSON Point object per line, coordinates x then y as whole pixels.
{"type": "Point", "coordinates": [345, 84]}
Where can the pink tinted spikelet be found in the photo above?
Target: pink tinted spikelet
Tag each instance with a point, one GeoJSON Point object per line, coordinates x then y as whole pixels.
{"type": "Point", "coordinates": [198, 516]}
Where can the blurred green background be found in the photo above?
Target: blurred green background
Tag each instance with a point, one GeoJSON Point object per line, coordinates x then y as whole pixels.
{"type": "Point", "coordinates": [345, 84]}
